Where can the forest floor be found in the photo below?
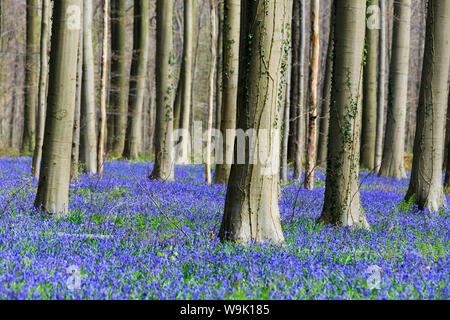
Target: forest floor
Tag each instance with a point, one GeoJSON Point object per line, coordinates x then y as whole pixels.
{"type": "Point", "coordinates": [129, 238]}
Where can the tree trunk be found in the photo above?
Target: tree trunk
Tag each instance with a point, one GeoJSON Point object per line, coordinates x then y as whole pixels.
{"type": "Point", "coordinates": [392, 164]}
{"type": "Point", "coordinates": [426, 174]}
{"type": "Point", "coordinates": [75, 157]}
{"type": "Point", "coordinates": [5, 127]}
{"type": "Point", "coordinates": [103, 91]}
{"type": "Point", "coordinates": [230, 68]}
{"type": "Point", "coordinates": [251, 207]}
{"type": "Point", "coordinates": [88, 133]}
{"type": "Point", "coordinates": [138, 78]}
{"type": "Point", "coordinates": [299, 151]}
{"type": "Point", "coordinates": [447, 154]}
{"type": "Point", "coordinates": [381, 85]}
{"type": "Point", "coordinates": [342, 205]}
{"type": "Point", "coordinates": [211, 93]}
{"type": "Point", "coordinates": [31, 74]}
{"type": "Point", "coordinates": [325, 115]}
{"type": "Point", "coordinates": [53, 189]}
{"type": "Point", "coordinates": [219, 77]}
{"type": "Point", "coordinates": [370, 103]}
{"type": "Point", "coordinates": [186, 83]}
{"type": "Point", "coordinates": [119, 78]}
{"type": "Point", "coordinates": [164, 153]}
{"type": "Point", "coordinates": [314, 86]}
{"type": "Point", "coordinates": [294, 89]}
{"type": "Point", "coordinates": [42, 94]}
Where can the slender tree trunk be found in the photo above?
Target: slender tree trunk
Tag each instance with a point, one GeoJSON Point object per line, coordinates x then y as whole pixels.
{"type": "Point", "coordinates": [370, 103]}
{"type": "Point", "coordinates": [31, 74]}
{"type": "Point", "coordinates": [88, 133]}
{"type": "Point", "coordinates": [426, 174]}
{"type": "Point", "coordinates": [186, 83]}
{"type": "Point", "coordinates": [447, 162]}
{"type": "Point", "coordinates": [230, 61]}
{"type": "Point", "coordinates": [138, 78]}
{"type": "Point", "coordinates": [75, 157]}
{"type": "Point", "coordinates": [325, 115]}
{"type": "Point", "coordinates": [219, 77]}
{"type": "Point", "coordinates": [5, 127]}
{"type": "Point", "coordinates": [42, 94]}
{"type": "Point", "coordinates": [314, 86]}
{"type": "Point", "coordinates": [164, 153]}
{"type": "Point", "coordinates": [53, 189]}
{"type": "Point", "coordinates": [300, 147]}
{"type": "Point", "coordinates": [103, 91]}
{"type": "Point", "coordinates": [285, 142]}
{"type": "Point", "coordinates": [294, 89]}
{"type": "Point", "coordinates": [251, 206]}
{"type": "Point", "coordinates": [381, 85]}
{"type": "Point", "coordinates": [342, 205]}
{"type": "Point", "coordinates": [211, 93]}
{"type": "Point", "coordinates": [118, 97]}
{"type": "Point", "coordinates": [392, 164]}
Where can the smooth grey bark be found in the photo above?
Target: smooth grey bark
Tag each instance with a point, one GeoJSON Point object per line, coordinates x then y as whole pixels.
{"type": "Point", "coordinates": [118, 97]}
{"type": "Point", "coordinates": [53, 189]}
{"type": "Point", "coordinates": [31, 74]}
{"type": "Point", "coordinates": [294, 89]}
{"type": "Point", "coordinates": [42, 94]}
{"type": "Point", "coordinates": [325, 114]}
{"type": "Point", "coordinates": [251, 206]}
{"type": "Point", "coordinates": [342, 205]}
{"type": "Point", "coordinates": [230, 73]}
{"type": "Point", "coordinates": [164, 151]}
{"type": "Point", "coordinates": [301, 126]}
{"type": "Point", "coordinates": [75, 156]}
{"type": "Point", "coordinates": [211, 93]}
{"type": "Point", "coordinates": [381, 85]}
{"type": "Point", "coordinates": [392, 164]}
{"type": "Point", "coordinates": [370, 103]}
{"type": "Point", "coordinates": [186, 81]}
{"type": "Point", "coordinates": [103, 90]}
{"type": "Point", "coordinates": [138, 78]}
{"type": "Point", "coordinates": [426, 174]}
{"type": "Point", "coordinates": [447, 162]}
{"type": "Point", "coordinates": [88, 132]}
{"type": "Point", "coordinates": [313, 94]}
{"type": "Point", "coordinates": [219, 69]}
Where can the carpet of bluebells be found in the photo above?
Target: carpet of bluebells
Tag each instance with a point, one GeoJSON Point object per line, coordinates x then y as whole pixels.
{"type": "Point", "coordinates": [129, 238]}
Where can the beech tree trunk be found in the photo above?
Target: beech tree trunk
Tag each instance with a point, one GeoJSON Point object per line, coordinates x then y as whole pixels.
{"type": "Point", "coordinates": [299, 150]}
{"type": "Point", "coordinates": [31, 74]}
{"type": "Point", "coordinates": [381, 85]}
{"type": "Point", "coordinates": [118, 97]}
{"type": "Point", "coordinates": [251, 207]}
{"type": "Point", "coordinates": [230, 73]}
{"type": "Point", "coordinates": [426, 175]}
{"type": "Point", "coordinates": [138, 78]}
{"type": "Point", "coordinates": [53, 189]}
{"type": "Point", "coordinates": [42, 94]}
{"type": "Point", "coordinates": [186, 81]}
{"type": "Point", "coordinates": [392, 164]}
{"type": "Point", "coordinates": [294, 89]}
{"type": "Point", "coordinates": [103, 91]}
{"type": "Point", "coordinates": [211, 93]}
{"type": "Point", "coordinates": [325, 115]}
{"type": "Point", "coordinates": [88, 132]}
{"type": "Point", "coordinates": [313, 90]}
{"type": "Point", "coordinates": [164, 153]}
{"type": "Point", "coordinates": [370, 93]}
{"type": "Point", "coordinates": [342, 205]}
{"type": "Point", "coordinates": [75, 156]}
